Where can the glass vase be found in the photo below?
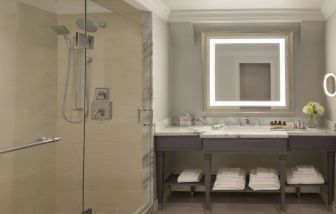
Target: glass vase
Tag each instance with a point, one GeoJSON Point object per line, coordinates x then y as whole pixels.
{"type": "Point", "coordinates": [313, 121]}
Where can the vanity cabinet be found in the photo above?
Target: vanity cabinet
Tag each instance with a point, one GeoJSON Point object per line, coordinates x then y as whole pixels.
{"type": "Point", "coordinates": [244, 145]}
{"type": "Point", "coordinates": [209, 146]}
{"type": "Point", "coordinates": [318, 143]}
{"type": "Point", "coordinates": [168, 144]}
{"type": "Point", "coordinates": [178, 143]}
{"type": "Point", "coordinates": [224, 145]}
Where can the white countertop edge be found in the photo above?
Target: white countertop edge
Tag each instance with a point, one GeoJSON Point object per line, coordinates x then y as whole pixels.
{"type": "Point", "coordinates": [176, 134]}
{"type": "Point", "coordinates": [242, 136]}
{"type": "Point", "coordinates": [186, 131]}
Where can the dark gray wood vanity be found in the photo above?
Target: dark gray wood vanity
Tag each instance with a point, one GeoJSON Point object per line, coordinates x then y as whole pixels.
{"type": "Point", "coordinates": [275, 145]}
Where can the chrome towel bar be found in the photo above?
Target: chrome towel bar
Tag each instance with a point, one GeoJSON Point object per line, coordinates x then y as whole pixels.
{"type": "Point", "coordinates": [38, 142]}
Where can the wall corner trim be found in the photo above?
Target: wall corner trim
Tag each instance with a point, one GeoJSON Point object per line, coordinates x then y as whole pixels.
{"type": "Point", "coordinates": [328, 8]}
{"type": "Point", "coordinates": [157, 7]}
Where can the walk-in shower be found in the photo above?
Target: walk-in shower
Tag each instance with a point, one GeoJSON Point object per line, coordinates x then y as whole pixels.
{"type": "Point", "coordinates": [76, 84]}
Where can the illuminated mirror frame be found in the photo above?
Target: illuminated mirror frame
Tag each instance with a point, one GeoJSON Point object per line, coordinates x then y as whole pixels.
{"type": "Point", "coordinates": [325, 86]}
{"type": "Point", "coordinates": [284, 105]}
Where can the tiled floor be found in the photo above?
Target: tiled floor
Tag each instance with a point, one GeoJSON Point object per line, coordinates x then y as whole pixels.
{"type": "Point", "coordinates": [182, 203]}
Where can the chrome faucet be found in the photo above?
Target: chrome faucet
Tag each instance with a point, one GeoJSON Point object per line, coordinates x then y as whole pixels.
{"type": "Point", "coordinates": [101, 112]}
{"type": "Point", "coordinates": [247, 121]}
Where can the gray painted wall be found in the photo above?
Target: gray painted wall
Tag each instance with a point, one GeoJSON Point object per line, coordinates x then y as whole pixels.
{"type": "Point", "coordinates": [186, 85]}
{"type": "Point", "coordinates": [161, 46]}
{"type": "Point", "coordinates": [331, 62]}
{"type": "Point", "coordinates": [186, 70]}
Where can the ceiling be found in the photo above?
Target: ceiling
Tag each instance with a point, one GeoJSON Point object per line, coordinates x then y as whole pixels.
{"type": "Point", "coordinates": [66, 6]}
{"type": "Point", "coordinates": [242, 4]}
{"type": "Point", "coordinates": [201, 10]}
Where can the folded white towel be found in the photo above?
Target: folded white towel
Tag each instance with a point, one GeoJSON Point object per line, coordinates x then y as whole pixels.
{"type": "Point", "coordinates": [265, 187]}
{"type": "Point", "coordinates": [228, 186]}
{"type": "Point", "coordinates": [190, 175]}
{"type": "Point", "coordinates": [241, 174]}
{"type": "Point", "coordinates": [230, 179]}
{"type": "Point", "coordinates": [272, 174]}
{"type": "Point", "coordinates": [297, 178]}
{"type": "Point", "coordinates": [229, 171]}
{"type": "Point", "coordinates": [228, 182]}
{"type": "Point", "coordinates": [225, 180]}
{"type": "Point", "coordinates": [266, 179]}
{"type": "Point", "coordinates": [305, 168]}
{"type": "Point", "coordinates": [266, 172]}
{"type": "Point", "coordinates": [298, 173]}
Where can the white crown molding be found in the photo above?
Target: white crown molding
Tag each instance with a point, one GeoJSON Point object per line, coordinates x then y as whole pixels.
{"type": "Point", "coordinates": [229, 16]}
{"type": "Point", "coordinates": [328, 8]}
{"type": "Point", "coordinates": [155, 6]}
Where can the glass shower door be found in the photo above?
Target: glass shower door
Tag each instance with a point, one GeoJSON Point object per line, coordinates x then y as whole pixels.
{"type": "Point", "coordinates": [118, 151]}
{"type": "Point", "coordinates": [40, 175]}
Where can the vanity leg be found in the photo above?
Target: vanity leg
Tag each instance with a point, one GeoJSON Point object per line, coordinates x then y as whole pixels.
{"type": "Point", "coordinates": [160, 159]}
{"type": "Point", "coordinates": [331, 171]}
{"type": "Point", "coordinates": [282, 161]}
{"type": "Point", "coordinates": [298, 193]}
{"type": "Point", "coordinates": [207, 174]}
{"type": "Point", "coordinates": [192, 191]}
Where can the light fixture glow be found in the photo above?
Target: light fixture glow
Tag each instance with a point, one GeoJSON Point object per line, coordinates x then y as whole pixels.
{"type": "Point", "coordinates": [212, 79]}
{"type": "Point", "coordinates": [325, 86]}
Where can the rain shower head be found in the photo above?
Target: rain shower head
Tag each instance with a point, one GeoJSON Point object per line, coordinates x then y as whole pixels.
{"type": "Point", "coordinates": [60, 29]}
{"type": "Point", "coordinates": [90, 26]}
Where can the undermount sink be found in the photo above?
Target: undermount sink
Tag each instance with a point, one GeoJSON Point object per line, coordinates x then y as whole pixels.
{"type": "Point", "coordinates": [241, 130]}
{"type": "Point", "coordinates": [219, 128]}
{"type": "Point", "coordinates": [253, 128]}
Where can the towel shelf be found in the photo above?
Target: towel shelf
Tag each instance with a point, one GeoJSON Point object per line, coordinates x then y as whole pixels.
{"type": "Point", "coordinates": [38, 142]}
{"type": "Point", "coordinates": [171, 180]}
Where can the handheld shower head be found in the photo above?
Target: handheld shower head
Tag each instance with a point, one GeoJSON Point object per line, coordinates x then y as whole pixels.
{"type": "Point", "coordinates": [62, 30]}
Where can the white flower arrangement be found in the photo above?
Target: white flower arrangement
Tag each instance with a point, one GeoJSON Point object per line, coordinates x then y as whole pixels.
{"type": "Point", "coordinates": [313, 108]}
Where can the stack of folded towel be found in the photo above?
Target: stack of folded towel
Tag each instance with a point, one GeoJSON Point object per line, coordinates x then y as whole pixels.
{"type": "Point", "coordinates": [264, 179]}
{"type": "Point", "coordinates": [190, 175]}
{"type": "Point", "coordinates": [304, 174]}
{"type": "Point", "coordinates": [230, 179]}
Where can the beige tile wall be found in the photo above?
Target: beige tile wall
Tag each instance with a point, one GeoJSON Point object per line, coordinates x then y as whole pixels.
{"type": "Point", "coordinates": [28, 92]}
{"type": "Point", "coordinates": [113, 170]}
{"type": "Point", "coordinates": [48, 179]}
{"type": "Point", "coordinates": [69, 154]}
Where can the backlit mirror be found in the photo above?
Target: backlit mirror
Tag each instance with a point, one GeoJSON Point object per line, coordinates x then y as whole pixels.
{"type": "Point", "coordinates": [329, 83]}
{"type": "Point", "coordinates": [247, 72]}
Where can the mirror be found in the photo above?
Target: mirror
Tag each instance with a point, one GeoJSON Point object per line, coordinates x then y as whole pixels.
{"type": "Point", "coordinates": [329, 82]}
{"type": "Point", "coordinates": [247, 71]}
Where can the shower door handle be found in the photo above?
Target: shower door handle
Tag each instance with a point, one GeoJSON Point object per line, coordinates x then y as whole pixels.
{"type": "Point", "coordinates": [38, 142]}
{"type": "Point", "coordinates": [145, 110]}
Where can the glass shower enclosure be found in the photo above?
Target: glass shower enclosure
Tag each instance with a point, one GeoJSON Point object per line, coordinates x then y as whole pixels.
{"type": "Point", "coordinates": [76, 133]}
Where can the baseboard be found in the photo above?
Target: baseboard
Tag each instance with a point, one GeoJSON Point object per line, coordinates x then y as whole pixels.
{"type": "Point", "coordinates": [155, 207]}
{"type": "Point", "coordinates": [334, 206]}
{"type": "Point", "coordinates": [324, 197]}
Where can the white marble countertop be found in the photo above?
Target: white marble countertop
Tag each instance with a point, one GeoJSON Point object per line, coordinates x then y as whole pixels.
{"type": "Point", "coordinates": [176, 131]}
{"type": "Point", "coordinates": [239, 132]}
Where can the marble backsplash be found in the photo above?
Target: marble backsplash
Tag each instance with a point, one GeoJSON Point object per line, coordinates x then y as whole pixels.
{"type": "Point", "coordinates": [262, 121]}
